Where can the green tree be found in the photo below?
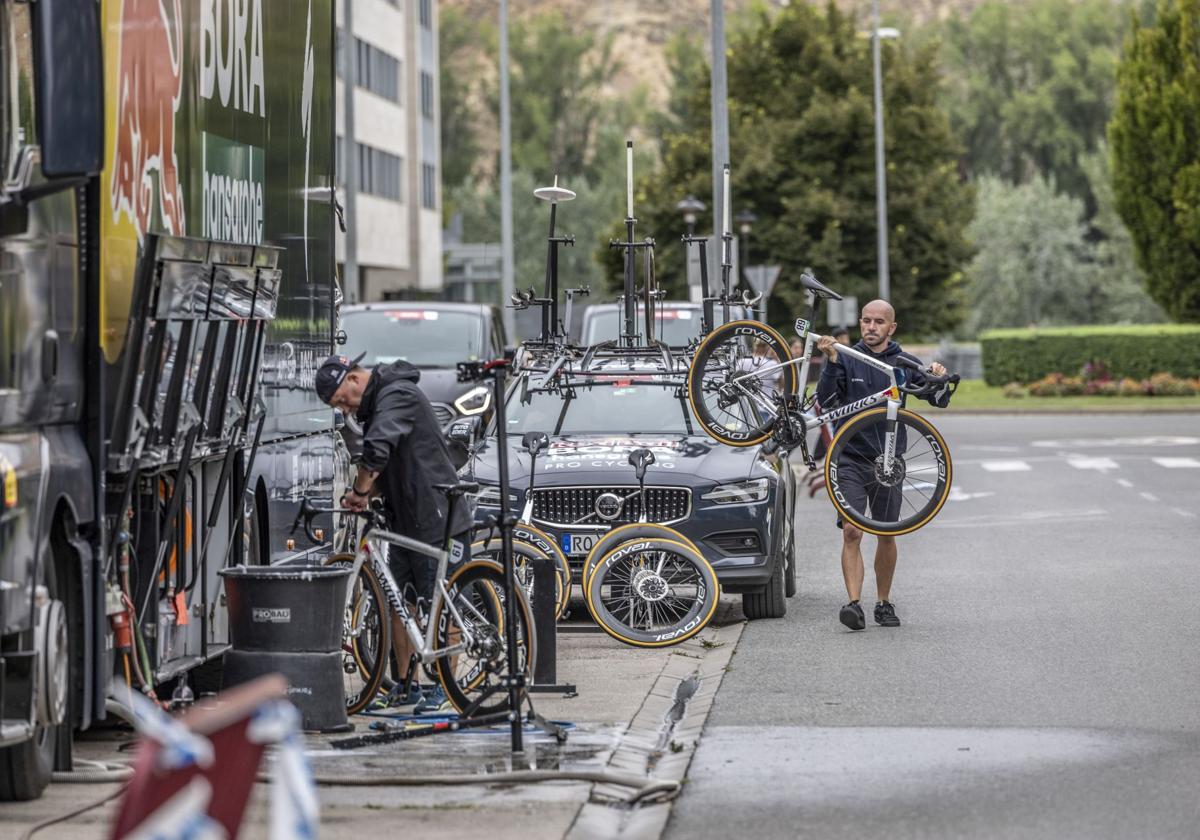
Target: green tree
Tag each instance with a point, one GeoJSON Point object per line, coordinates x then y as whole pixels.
{"type": "Point", "coordinates": [459, 65]}
{"type": "Point", "coordinates": [1033, 265]}
{"type": "Point", "coordinates": [802, 139]}
{"type": "Point", "coordinates": [1155, 140]}
{"type": "Point", "coordinates": [566, 122]}
{"type": "Point", "coordinates": [1029, 86]}
{"type": "Point", "coordinates": [1119, 288]}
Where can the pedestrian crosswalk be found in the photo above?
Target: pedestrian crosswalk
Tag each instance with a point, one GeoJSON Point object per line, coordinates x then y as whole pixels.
{"type": "Point", "coordinates": [1079, 462]}
{"type": "Point", "coordinates": [1178, 463]}
{"type": "Point", "coordinates": [1005, 466]}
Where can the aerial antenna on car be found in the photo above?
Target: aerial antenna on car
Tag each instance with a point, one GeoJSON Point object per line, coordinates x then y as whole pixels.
{"type": "Point", "coordinates": [551, 328]}
{"type": "Point", "coordinates": [629, 336]}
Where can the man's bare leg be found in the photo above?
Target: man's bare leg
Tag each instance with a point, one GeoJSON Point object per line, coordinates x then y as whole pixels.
{"type": "Point", "coordinates": [852, 560]}
{"type": "Point", "coordinates": [885, 566]}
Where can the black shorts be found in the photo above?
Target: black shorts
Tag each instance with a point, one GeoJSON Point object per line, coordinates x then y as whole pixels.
{"type": "Point", "coordinates": [856, 481]}
{"type": "Point", "coordinates": [414, 572]}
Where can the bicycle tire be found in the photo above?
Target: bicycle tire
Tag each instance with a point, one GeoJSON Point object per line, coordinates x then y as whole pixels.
{"type": "Point", "coordinates": [532, 534]}
{"type": "Point", "coordinates": [370, 667]}
{"type": "Point", "coordinates": [484, 579]}
{"type": "Point", "coordinates": [685, 626]}
{"type": "Point", "coordinates": [624, 533]}
{"type": "Point", "coordinates": [942, 466]}
{"type": "Point", "coordinates": [523, 551]}
{"type": "Point", "coordinates": [706, 353]}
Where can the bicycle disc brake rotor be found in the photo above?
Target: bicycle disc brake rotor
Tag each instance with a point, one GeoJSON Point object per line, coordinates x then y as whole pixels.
{"type": "Point", "coordinates": [893, 477]}
{"type": "Point", "coordinates": [650, 586]}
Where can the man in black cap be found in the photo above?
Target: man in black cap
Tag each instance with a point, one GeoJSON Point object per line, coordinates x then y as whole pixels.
{"type": "Point", "coordinates": [403, 455]}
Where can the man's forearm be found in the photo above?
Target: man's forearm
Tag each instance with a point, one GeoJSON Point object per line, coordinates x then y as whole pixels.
{"type": "Point", "coordinates": [364, 481]}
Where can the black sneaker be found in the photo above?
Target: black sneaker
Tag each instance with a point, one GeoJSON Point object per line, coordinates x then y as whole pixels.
{"type": "Point", "coordinates": [885, 614]}
{"type": "Point", "coordinates": [852, 616]}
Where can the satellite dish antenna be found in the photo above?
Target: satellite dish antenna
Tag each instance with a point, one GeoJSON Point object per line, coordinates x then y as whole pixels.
{"type": "Point", "coordinates": [555, 193]}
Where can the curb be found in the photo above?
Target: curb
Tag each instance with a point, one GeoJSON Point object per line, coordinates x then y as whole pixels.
{"type": "Point", "coordinates": [662, 737]}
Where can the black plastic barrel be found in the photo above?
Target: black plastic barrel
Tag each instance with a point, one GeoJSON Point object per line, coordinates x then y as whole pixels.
{"type": "Point", "coordinates": [288, 620]}
{"type": "Point", "coordinates": [314, 683]}
{"type": "Point", "coordinates": [285, 609]}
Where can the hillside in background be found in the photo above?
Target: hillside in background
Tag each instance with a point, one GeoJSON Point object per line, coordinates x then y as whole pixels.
{"type": "Point", "coordinates": [641, 28]}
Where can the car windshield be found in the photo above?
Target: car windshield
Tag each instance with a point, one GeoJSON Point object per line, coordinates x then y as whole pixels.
{"type": "Point", "coordinates": [609, 406]}
{"type": "Point", "coordinates": [679, 326]}
{"type": "Point", "coordinates": [428, 338]}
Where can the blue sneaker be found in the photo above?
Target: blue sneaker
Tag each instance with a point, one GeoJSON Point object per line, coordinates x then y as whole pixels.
{"type": "Point", "coordinates": [432, 699]}
{"type": "Point", "coordinates": [398, 697]}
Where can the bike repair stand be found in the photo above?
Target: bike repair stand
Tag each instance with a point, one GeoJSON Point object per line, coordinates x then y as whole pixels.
{"type": "Point", "coordinates": [514, 680]}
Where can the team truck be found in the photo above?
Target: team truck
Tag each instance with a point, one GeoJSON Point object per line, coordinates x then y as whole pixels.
{"type": "Point", "coordinates": [166, 290]}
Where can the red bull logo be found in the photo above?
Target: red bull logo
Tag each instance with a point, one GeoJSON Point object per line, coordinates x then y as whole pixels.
{"type": "Point", "coordinates": [149, 83]}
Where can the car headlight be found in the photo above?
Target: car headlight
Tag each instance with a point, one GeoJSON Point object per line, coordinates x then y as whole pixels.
{"type": "Point", "coordinates": [489, 496]}
{"type": "Point", "coordinates": [475, 401]}
{"type": "Point", "coordinates": [740, 492]}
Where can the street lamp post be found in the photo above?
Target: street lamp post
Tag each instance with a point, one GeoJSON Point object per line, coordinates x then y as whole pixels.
{"type": "Point", "coordinates": [745, 221]}
{"type": "Point", "coordinates": [691, 208]}
{"type": "Point", "coordinates": [885, 285]}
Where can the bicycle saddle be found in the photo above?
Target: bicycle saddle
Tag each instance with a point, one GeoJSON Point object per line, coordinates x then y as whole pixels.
{"type": "Point", "coordinates": [639, 459]}
{"type": "Point", "coordinates": [460, 489]}
{"type": "Point", "coordinates": [535, 442]}
{"type": "Point", "coordinates": [817, 287]}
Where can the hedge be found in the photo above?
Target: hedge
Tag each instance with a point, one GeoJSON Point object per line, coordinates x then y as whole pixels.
{"type": "Point", "coordinates": [1138, 352]}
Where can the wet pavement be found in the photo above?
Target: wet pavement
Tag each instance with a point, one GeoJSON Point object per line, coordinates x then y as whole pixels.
{"type": "Point", "coordinates": [1043, 682]}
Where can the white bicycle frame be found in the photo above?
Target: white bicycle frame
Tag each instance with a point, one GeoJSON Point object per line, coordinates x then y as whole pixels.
{"type": "Point", "coordinates": [890, 395]}
{"type": "Point", "coordinates": [423, 644]}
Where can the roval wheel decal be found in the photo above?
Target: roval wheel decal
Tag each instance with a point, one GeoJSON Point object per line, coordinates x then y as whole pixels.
{"type": "Point", "coordinates": [626, 532]}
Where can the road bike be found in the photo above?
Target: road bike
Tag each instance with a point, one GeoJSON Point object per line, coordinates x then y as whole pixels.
{"type": "Point", "coordinates": [460, 634]}
{"type": "Point", "coordinates": [744, 389]}
{"type": "Point", "coordinates": [646, 584]}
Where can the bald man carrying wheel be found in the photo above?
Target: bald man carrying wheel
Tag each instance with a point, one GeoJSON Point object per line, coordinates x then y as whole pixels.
{"type": "Point", "coordinates": [844, 380]}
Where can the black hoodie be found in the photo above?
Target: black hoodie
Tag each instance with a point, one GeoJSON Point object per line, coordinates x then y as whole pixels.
{"type": "Point", "coordinates": [403, 442]}
{"type": "Point", "coordinates": [848, 379]}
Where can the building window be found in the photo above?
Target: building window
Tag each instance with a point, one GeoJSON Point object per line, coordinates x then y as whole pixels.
{"type": "Point", "coordinates": [375, 70]}
{"type": "Point", "coordinates": [426, 13]}
{"type": "Point", "coordinates": [428, 186]}
{"type": "Point", "coordinates": [426, 95]}
{"type": "Point", "coordinates": [379, 173]}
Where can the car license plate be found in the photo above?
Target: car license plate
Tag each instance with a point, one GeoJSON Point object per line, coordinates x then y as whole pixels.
{"type": "Point", "coordinates": [577, 545]}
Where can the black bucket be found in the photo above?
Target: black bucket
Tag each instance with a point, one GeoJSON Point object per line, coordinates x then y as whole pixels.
{"type": "Point", "coordinates": [314, 683]}
{"type": "Point", "coordinates": [286, 609]}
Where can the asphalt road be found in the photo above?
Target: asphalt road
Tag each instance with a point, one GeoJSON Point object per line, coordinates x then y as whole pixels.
{"type": "Point", "coordinates": [1045, 681]}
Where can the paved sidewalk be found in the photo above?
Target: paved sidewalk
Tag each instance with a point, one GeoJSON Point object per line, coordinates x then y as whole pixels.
{"type": "Point", "coordinates": [622, 720]}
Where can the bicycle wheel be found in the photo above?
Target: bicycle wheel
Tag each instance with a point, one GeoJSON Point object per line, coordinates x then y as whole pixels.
{"type": "Point", "coordinates": [475, 675]}
{"type": "Point", "coordinates": [652, 592]}
{"type": "Point", "coordinates": [624, 533]}
{"type": "Point", "coordinates": [726, 376]}
{"type": "Point", "coordinates": [544, 542]}
{"type": "Point", "coordinates": [524, 555]}
{"type": "Point", "coordinates": [888, 503]}
{"type": "Point", "coordinates": [366, 636]}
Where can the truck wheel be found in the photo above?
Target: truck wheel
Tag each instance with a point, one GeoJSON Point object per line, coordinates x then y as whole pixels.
{"type": "Point", "coordinates": [770, 601]}
{"type": "Point", "coordinates": [25, 768]}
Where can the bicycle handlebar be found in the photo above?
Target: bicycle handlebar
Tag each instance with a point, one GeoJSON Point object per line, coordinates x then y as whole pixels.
{"type": "Point", "coordinates": [308, 511]}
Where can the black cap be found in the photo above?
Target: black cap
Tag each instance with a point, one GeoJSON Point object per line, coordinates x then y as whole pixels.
{"type": "Point", "coordinates": [332, 372]}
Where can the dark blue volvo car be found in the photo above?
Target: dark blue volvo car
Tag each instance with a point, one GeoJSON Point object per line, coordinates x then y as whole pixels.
{"type": "Point", "coordinates": [735, 504]}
